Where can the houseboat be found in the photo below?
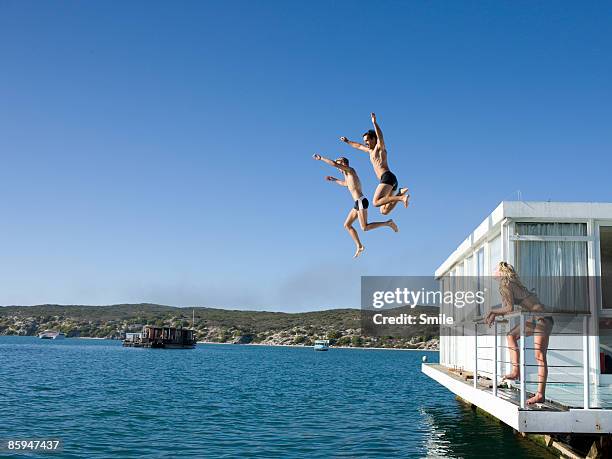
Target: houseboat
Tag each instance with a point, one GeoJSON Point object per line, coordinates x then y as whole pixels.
{"type": "Point", "coordinates": [321, 345]}
{"type": "Point", "coordinates": [542, 240]}
{"type": "Point", "coordinates": [161, 338]}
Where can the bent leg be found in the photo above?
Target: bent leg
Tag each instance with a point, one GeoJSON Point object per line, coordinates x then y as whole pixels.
{"type": "Point", "coordinates": [363, 221]}
{"type": "Point", "coordinates": [384, 195]}
{"type": "Point", "coordinates": [348, 225]}
{"type": "Point", "coordinates": [387, 208]}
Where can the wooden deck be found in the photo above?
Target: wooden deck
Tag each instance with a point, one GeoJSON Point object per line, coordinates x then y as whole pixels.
{"type": "Point", "coordinates": [561, 413]}
{"type": "Point", "coordinates": [559, 397]}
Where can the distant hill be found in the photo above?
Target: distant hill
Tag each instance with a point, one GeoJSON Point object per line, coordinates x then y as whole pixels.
{"type": "Point", "coordinates": [219, 325]}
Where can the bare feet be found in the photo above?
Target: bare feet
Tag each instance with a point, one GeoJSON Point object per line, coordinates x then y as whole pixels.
{"type": "Point", "coordinates": [358, 251]}
{"type": "Point", "coordinates": [537, 398]}
{"type": "Point", "coordinates": [402, 191]}
{"type": "Point", "coordinates": [511, 376]}
{"type": "Point", "coordinates": [392, 225]}
{"type": "Point", "coordinates": [405, 199]}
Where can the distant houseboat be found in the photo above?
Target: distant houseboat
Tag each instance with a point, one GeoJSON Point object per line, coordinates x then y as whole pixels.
{"type": "Point", "coordinates": [321, 345]}
{"type": "Point", "coordinates": [162, 338]}
{"type": "Point", "coordinates": [51, 334]}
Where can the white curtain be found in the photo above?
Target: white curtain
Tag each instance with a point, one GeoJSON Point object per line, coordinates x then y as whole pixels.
{"type": "Point", "coordinates": [555, 270]}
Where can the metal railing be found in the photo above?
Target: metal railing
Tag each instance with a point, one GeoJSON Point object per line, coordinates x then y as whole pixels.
{"type": "Point", "coordinates": [522, 315]}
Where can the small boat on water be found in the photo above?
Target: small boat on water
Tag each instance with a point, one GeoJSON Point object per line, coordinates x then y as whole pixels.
{"type": "Point", "coordinates": [321, 345]}
{"type": "Point", "coordinates": [51, 334]}
{"type": "Point", "coordinates": [161, 338]}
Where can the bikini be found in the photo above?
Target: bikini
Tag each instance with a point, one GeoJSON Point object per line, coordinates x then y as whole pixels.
{"type": "Point", "coordinates": [521, 296]}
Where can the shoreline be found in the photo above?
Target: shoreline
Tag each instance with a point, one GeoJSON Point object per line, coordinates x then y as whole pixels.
{"type": "Point", "coordinates": [265, 344]}
{"type": "Point", "coordinates": [331, 347]}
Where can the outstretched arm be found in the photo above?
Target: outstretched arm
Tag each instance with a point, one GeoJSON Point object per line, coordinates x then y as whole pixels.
{"type": "Point", "coordinates": [507, 307]}
{"type": "Point", "coordinates": [356, 145]}
{"type": "Point", "coordinates": [329, 178]}
{"type": "Point", "coordinates": [331, 163]}
{"type": "Point", "coordinates": [381, 141]}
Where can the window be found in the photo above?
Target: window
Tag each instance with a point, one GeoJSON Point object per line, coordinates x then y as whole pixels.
{"type": "Point", "coordinates": [551, 261]}
{"type": "Point", "coordinates": [480, 262]}
{"type": "Point", "coordinates": [494, 258]}
{"type": "Point", "coordinates": [469, 266]}
{"type": "Point", "coordinates": [605, 238]}
{"type": "Point", "coordinates": [605, 323]}
{"type": "Point", "coordinates": [494, 254]}
{"type": "Point", "coordinates": [480, 266]}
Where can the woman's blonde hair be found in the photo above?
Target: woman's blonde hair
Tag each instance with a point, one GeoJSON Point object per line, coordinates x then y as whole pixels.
{"type": "Point", "coordinates": [509, 279]}
{"type": "Point", "coordinates": [508, 273]}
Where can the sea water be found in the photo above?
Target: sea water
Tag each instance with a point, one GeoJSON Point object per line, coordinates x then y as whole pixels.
{"type": "Point", "coordinates": [102, 400]}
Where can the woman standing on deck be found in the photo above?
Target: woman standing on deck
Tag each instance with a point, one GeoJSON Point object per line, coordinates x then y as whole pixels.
{"type": "Point", "coordinates": [514, 292]}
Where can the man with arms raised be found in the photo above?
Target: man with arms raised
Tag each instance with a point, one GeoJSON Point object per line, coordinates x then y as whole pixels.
{"type": "Point", "coordinates": [375, 147]}
{"type": "Point", "coordinates": [360, 209]}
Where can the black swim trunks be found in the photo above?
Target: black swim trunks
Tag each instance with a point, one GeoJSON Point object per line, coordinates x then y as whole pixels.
{"type": "Point", "coordinates": [548, 320]}
{"type": "Point", "coordinates": [389, 178]}
{"type": "Point", "coordinates": [361, 203]}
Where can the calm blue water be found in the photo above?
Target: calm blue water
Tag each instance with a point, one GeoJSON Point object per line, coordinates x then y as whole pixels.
{"type": "Point", "coordinates": [218, 401]}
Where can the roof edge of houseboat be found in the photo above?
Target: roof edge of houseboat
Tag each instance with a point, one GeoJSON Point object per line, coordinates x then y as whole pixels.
{"type": "Point", "coordinates": [540, 210]}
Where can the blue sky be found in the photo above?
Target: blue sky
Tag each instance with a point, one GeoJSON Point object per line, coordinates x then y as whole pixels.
{"type": "Point", "coordinates": [160, 151]}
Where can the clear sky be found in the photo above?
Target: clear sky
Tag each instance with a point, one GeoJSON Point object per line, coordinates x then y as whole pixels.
{"type": "Point", "coordinates": [161, 151]}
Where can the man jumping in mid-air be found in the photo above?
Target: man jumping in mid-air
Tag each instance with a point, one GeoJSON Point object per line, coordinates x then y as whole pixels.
{"type": "Point", "coordinates": [375, 147]}
{"type": "Point", "coordinates": [360, 210]}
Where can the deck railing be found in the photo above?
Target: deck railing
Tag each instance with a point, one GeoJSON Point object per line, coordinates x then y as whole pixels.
{"type": "Point", "coordinates": [522, 316]}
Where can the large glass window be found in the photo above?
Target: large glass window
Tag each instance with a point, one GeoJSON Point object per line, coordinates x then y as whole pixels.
{"type": "Point", "coordinates": [605, 323]}
{"type": "Point", "coordinates": [552, 258]}
{"type": "Point", "coordinates": [556, 268]}
{"type": "Point", "coordinates": [605, 238]}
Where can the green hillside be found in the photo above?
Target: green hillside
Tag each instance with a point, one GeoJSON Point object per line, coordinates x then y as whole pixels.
{"type": "Point", "coordinates": [217, 325]}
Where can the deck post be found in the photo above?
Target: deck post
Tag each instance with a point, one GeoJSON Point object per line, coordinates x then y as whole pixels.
{"type": "Point", "coordinates": [475, 356]}
{"type": "Point", "coordinates": [495, 358]}
{"type": "Point", "coordinates": [522, 359]}
{"type": "Point", "coordinates": [585, 360]}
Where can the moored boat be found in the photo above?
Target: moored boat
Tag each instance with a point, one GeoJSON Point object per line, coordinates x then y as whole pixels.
{"type": "Point", "coordinates": [51, 334]}
{"type": "Point", "coordinates": [161, 338]}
